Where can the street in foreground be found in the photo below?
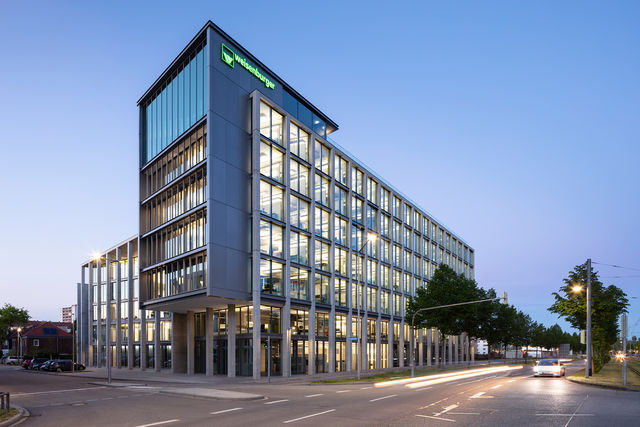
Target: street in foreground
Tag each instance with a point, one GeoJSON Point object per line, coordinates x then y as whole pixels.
{"type": "Point", "coordinates": [511, 397]}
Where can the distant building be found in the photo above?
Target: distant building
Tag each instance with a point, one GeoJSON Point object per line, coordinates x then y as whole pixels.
{"type": "Point", "coordinates": [42, 338]}
{"type": "Point", "coordinates": [66, 314]}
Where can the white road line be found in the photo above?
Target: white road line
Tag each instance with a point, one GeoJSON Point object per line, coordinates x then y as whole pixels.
{"type": "Point", "coordinates": [307, 416]}
{"type": "Point", "coordinates": [423, 388]}
{"type": "Point", "coordinates": [464, 413]}
{"type": "Point", "coordinates": [225, 410]}
{"type": "Point", "coordinates": [577, 409]}
{"type": "Point", "coordinates": [564, 415]}
{"type": "Point", "coordinates": [510, 381]}
{"type": "Point", "coordinates": [445, 410]}
{"type": "Point", "coordinates": [56, 391]}
{"type": "Point", "coordinates": [276, 401]}
{"type": "Point", "coordinates": [158, 423]}
{"type": "Point", "coordinates": [477, 395]}
{"type": "Point", "coordinates": [475, 381]}
{"type": "Point", "coordinates": [343, 391]}
{"type": "Point", "coordinates": [365, 388]}
{"type": "Point", "coordinates": [385, 397]}
{"type": "Point", "coordinates": [107, 398]}
{"type": "Point", "coordinates": [496, 386]}
{"type": "Point", "coordinates": [315, 395]}
{"type": "Point", "coordinates": [435, 418]}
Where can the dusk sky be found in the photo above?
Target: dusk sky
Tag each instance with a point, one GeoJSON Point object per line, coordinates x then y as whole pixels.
{"type": "Point", "coordinates": [514, 124]}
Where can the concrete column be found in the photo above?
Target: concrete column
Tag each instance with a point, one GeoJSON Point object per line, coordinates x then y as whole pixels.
{"type": "Point", "coordinates": [130, 323]}
{"type": "Point", "coordinates": [285, 351]}
{"type": "Point", "coordinates": [108, 308]}
{"type": "Point", "coordinates": [349, 348]}
{"type": "Point", "coordinates": [99, 324]}
{"type": "Point", "coordinates": [190, 343]}
{"type": "Point", "coordinates": [390, 344]}
{"type": "Point", "coordinates": [437, 347]}
{"type": "Point", "coordinates": [401, 345]}
{"type": "Point", "coordinates": [450, 349]}
{"type": "Point", "coordinates": [156, 344]}
{"type": "Point", "coordinates": [456, 348]}
{"type": "Point", "coordinates": [378, 340]}
{"type": "Point", "coordinates": [90, 319]}
{"type": "Point", "coordinates": [143, 340]}
{"type": "Point", "coordinates": [312, 337]}
{"type": "Point", "coordinates": [429, 344]}
{"type": "Point", "coordinates": [420, 347]}
{"type": "Point", "coordinates": [208, 333]}
{"type": "Point", "coordinates": [118, 299]}
{"type": "Point", "coordinates": [473, 351]}
{"type": "Point", "coordinates": [179, 343]}
{"type": "Point", "coordinates": [231, 341]}
{"type": "Point", "coordinates": [257, 349]}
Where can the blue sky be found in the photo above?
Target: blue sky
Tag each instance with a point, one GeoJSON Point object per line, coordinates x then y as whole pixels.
{"type": "Point", "coordinates": [515, 124]}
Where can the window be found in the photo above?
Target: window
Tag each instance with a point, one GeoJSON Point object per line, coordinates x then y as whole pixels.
{"type": "Point", "coordinates": [340, 295]}
{"type": "Point", "coordinates": [385, 196]}
{"type": "Point", "coordinates": [417, 221]}
{"type": "Point", "coordinates": [299, 213]}
{"type": "Point", "coordinates": [397, 280]}
{"type": "Point", "coordinates": [270, 123]}
{"type": "Point", "coordinates": [271, 277]}
{"type": "Point", "coordinates": [372, 218]}
{"type": "Point", "coordinates": [340, 198]}
{"type": "Point", "coordinates": [36, 342]}
{"type": "Point", "coordinates": [385, 273]}
{"type": "Point", "coordinates": [372, 272]}
{"type": "Point", "coordinates": [271, 239]}
{"type": "Point", "coordinates": [372, 191]}
{"type": "Point", "coordinates": [407, 238]}
{"type": "Point", "coordinates": [340, 231]}
{"type": "Point", "coordinates": [397, 232]}
{"type": "Point", "coordinates": [407, 260]}
{"type": "Point", "coordinates": [322, 190]}
{"type": "Point", "coordinates": [322, 256]}
{"type": "Point", "coordinates": [356, 210]}
{"type": "Point", "coordinates": [299, 322]}
{"type": "Point", "coordinates": [271, 200]}
{"type": "Point", "coordinates": [407, 214]}
{"type": "Point", "coordinates": [322, 223]}
{"type": "Point", "coordinates": [356, 238]}
{"type": "Point", "coordinates": [322, 289]}
{"type": "Point", "coordinates": [397, 207]}
{"type": "Point", "coordinates": [341, 170]}
{"type": "Point", "coordinates": [372, 299]}
{"type": "Point", "coordinates": [299, 283]}
{"type": "Point", "coordinates": [321, 157]}
{"type": "Point", "coordinates": [299, 248]}
{"type": "Point", "coordinates": [356, 181]}
{"type": "Point", "coordinates": [271, 161]}
{"type": "Point", "coordinates": [385, 248]}
{"type": "Point", "coordinates": [299, 177]}
{"type": "Point", "coordinates": [340, 261]}
{"type": "Point", "coordinates": [298, 141]}
{"type": "Point", "coordinates": [384, 226]}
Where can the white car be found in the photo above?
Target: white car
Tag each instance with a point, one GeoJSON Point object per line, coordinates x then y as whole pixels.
{"type": "Point", "coordinates": [551, 367]}
{"type": "Point", "coordinates": [12, 360]}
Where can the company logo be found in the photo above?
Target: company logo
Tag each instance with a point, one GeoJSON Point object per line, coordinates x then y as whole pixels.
{"type": "Point", "coordinates": [230, 58]}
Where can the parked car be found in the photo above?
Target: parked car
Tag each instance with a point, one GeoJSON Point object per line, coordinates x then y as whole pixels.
{"type": "Point", "coordinates": [12, 360]}
{"type": "Point", "coordinates": [26, 363]}
{"type": "Point", "coordinates": [37, 362]}
{"type": "Point", "coordinates": [45, 366]}
{"type": "Point", "coordinates": [61, 365]}
{"type": "Point", "coordinates": [551, 367]}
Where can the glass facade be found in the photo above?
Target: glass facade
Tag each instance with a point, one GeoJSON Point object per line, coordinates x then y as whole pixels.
{"type": "Point", "coordinates": [177, 106]}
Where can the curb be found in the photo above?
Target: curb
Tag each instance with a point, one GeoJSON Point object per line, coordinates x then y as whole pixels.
{"type": "Point", "coordinates": [611, 387]}
{"type": "Point", "coordinates": [17, 418]}
{"type": "Point", "coordinates": [204, 396]}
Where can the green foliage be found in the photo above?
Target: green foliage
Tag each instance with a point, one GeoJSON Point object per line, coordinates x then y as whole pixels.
{"type": "Point", "coordinates": [607, 304]}
{"type": "Point", "coordinates": [11, 316]}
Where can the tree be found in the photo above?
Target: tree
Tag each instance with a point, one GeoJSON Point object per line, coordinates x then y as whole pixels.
{"type": "Point", "coordinates": [607, 304]}
{"type": "Point", "coordinates": [11, 316]}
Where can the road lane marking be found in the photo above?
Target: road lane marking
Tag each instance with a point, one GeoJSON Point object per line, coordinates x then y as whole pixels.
{"type": "Point", "coordinates": [496, 386]}
{"type": "Point", "coordinates": [277, 401]}
{"type": "Point", "coordinates": [385, 397]}
{"type": "Point", "coordinates": [477, 395]}
{"type": "Point", "coordinates": [577, 409]}
{"type": "Point", "coordinates": [464, 413]}
{"type": "Point", "coordinates": [315, 395]}
{"type": "Point", "coordinates": [564, 415]}
{"type": "Point", "coordinates": [435, 418]}
{"type": "Point", "coordinates": [225, 410]}
{"type": "Point", "coordinates": [475, 381]}
{"type": "Point", "coordinates": [423, 388]}
{"type": "Point", "coordinates": [365, 388]}
{"type": "Point", "coordinates": [56, 391]}
{"type": "Point", "coordinates": [307, 416]}
{"type": "Point", "coordinates": [158, 423]}
{"type": "Point", "coordinates": [107, 398]}
{"type": "Point", "coordinates": [343, 391]}
{"type": "Point", "coordinates": [445, 410]}
{"type": "Point", "coordinates": [510, 381]}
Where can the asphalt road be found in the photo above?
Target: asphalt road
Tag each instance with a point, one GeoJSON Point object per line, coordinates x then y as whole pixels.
{"type": "Point", "coordinates": [505, 398]}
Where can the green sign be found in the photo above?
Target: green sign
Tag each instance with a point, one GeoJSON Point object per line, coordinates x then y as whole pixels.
{"type": "Point", "coordinates": [230, 58]}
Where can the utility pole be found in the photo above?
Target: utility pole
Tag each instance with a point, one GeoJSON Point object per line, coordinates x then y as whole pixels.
{"type": "Point", "coordinates": [623, 322]}
{"type": "Point", "coordinates": [589, 349]}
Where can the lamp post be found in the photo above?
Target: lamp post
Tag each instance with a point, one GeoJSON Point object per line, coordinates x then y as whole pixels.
{"type": "Point", "coordinates": [370, 239]}
{"type": "Point", "coordinates": [19, 329]}
{"type": "Point", "coordinates": [98, 260]}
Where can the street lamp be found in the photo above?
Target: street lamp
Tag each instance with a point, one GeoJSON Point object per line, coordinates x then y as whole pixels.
{"type": "Point", "coordinates": [98, 259]}
{"type": "Point", "coordinates": [371, 238]}
{"type": "Point", "coordinates": [577, 289]}
{"type": "Point", "coordinates": [19, 329]}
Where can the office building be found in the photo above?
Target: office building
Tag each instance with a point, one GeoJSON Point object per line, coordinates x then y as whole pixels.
{"type": "Point", "coordinates": [261, 238]}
